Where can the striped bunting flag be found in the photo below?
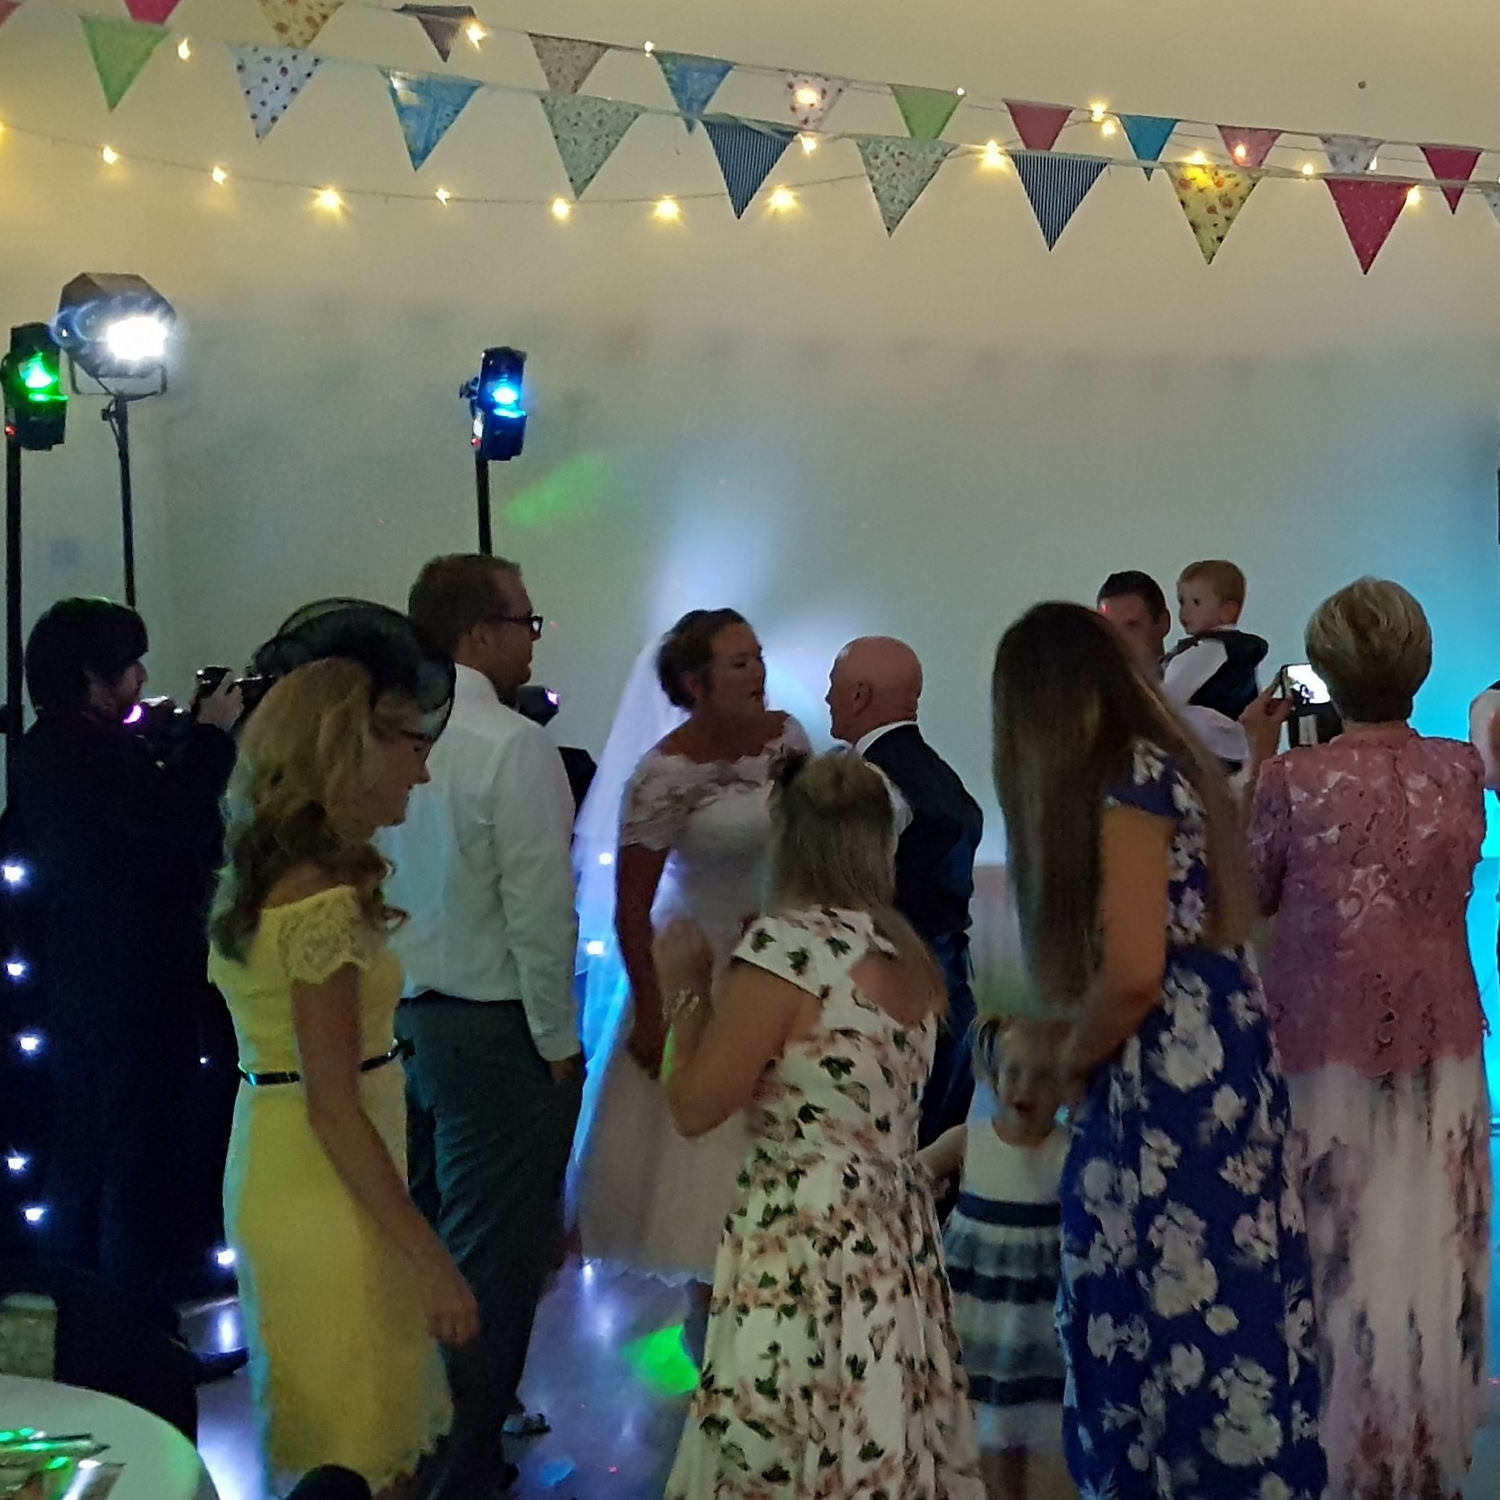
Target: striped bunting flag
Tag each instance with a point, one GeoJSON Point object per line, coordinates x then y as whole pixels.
{"type": "Point", "coordinates": [747, 152]}
{"type": "Point", "coordinates": [587, 131]}
{"type": "Point", "coordinates": [1056, 185]}
{"type": "Point", "coordinates": [1148, 136]}
{"type": "Point", "coordinates": [899, 171]}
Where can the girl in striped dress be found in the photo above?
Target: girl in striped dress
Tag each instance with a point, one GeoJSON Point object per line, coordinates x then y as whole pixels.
{"type": "Point", "coordinates": [1003, 1248]}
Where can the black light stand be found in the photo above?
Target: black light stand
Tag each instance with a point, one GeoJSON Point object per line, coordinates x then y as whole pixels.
{"type": "Point", "coordinates": [15, 718]}
{"type": "Point", "coordinates": [117, 415]}
{"type": "Point", "coordinates": [482, 492]}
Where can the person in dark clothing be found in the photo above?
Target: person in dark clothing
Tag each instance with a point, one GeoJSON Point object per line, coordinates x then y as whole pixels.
{"type": "Point", "coordinates": [873, 693]}
{"type": "Point", "coordinates": [123, 837]}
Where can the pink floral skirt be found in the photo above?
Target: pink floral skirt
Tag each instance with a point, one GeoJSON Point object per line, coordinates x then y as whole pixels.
{"type": "Point", "coordinates": [1397, 1193]}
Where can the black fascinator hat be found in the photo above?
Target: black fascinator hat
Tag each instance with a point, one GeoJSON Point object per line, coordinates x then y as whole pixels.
{"type": "Point", "coordinates": [399, 657]}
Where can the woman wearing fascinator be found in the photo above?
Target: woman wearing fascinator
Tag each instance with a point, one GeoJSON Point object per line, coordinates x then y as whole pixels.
{"type": "Point", "coordinates": [694, 837]}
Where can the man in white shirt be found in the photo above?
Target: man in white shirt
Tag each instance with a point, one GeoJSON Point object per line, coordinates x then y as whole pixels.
{"type": "Point", "coordinates": [483, 870]}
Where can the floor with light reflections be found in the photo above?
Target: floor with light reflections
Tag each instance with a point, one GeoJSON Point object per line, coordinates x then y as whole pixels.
{"type": "Point", "coordinates": [607, 1369]}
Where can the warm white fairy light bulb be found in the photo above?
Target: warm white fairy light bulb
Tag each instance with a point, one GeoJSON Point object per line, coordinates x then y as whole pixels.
{"type": "Point", "coordinates": [782, 201]}
{"type": "Point", "coordinates": [1198, 159]}
{"type": "Point", "coordinates": [475, 33]}
{"type": "Point", "coordinates": [1108, 128]}
{"type": "Point", "coordinates": [668, 210]}
{"type": "Point", "coordinates": [443, 196]}
{"type": "Point", "coordinates": [1308, 169]}
{"type": "Point", "coordinates": [184, 49]}
{"type": "Point", "coordinates": [809, 143]}
{"type": "Point", "coordinates": [993, 157]}
{"type": "Point", "coordinates": [807, 96]}
{"type": "Point", "coordinates": [650, 48]}
{"type": "Point", "coordinates": [1096, 112]}
{"type": "Point", "coordinates": [562, 210]}
{"type": "Point", "coordinates": [1241, 151]}
{"type": "Point", "coordinates": [1413, 197]}
{"type": "Point", "coordinates": [329, 200]}
{"type": "Point", "coordinates": [220, 176]}
{"type": "Point", "coordinates": [962, 93]}
{"type": "Point", "coordinates": [109, 155]}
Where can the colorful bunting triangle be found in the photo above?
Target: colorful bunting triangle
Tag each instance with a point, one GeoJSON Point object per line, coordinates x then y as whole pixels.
{"type": "Point", "coordinates": [1452, 164]}
{"type": "Point", "coordinates": [899, 171]}
{"type": "Point", "coordinates": [1490, 192]}
{"type": "Point", "coordinates": [442, 23]}
{"type": "Point", "coordinates": [587, 130]}
{"type": "Point", "coordinates": [565, 61]}
{"type": "Point", "coordinates": [1212, 197]}
{"type": "Point", "coordinates": [1369, 208]}
{"type": "Point", "coordinates": [810, 96]}
{"type": "Point", "coordinates": [1148, 136]}
{"type": "Point", "coordinates": [693, 81]}
{"type": "Point", "coordinates": [1249, 146]}
{"type": "Point", "coordinates": [1056, 185]}
{"type": "Point", "coordinates": [1349, 155]}
{"type": "Point", "coordinates": [926, 111]}
{"type": "Point", "coordinates": [120, 50]}
{"type": "Point", "coordinates": [747, 152]}
{"type": "Point", "coordinates": [297, 22]}
{"type": "Point", "coordinates": [156, 12]}
{"type": "Point", "coordinates": [270, 78]}
{"type": "Point", "coordinates": [426, 104]}
{"type": "Point", "coordinates": [8, 8]}
{"type": "Point", "coordinates": [1039, 125]}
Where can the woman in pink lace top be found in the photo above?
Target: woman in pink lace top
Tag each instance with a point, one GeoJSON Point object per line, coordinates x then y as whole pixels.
{"type": "Point", "coordinates": [1364, 853]}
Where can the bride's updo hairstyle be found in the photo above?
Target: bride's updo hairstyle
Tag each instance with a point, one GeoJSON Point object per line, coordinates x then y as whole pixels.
{"type": "Point", "coordinates": [686, 655]}
{"type": "Point", "coordinates": [833, 844]}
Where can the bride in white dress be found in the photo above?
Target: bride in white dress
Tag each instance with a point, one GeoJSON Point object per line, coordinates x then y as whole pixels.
{"type": "Point", "coordinates": [693, 840]}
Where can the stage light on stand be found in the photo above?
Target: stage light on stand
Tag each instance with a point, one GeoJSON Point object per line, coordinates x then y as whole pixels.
{"type": "Point", "coordinates": [497, 409]}
{"type": "Point", "coordinates": [36, 401]}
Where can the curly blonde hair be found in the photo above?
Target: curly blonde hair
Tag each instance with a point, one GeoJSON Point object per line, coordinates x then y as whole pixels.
{"type": "Point", "coordinates": [305, 755]}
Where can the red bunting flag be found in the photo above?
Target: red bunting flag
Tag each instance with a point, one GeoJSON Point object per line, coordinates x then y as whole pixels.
{"type": "Point", "coordinates": [1452, 164]}
{"type": "Point", "coordinates": [1369, 208]}
{"type": "Point", "coordinates": [1039, 125]}
{"type": "Point", "coordinates": [8, 8]}
{"type": "Point", "coordinates": [1248, 146]}
{"type": "Point", "coordinates": [154, 11]}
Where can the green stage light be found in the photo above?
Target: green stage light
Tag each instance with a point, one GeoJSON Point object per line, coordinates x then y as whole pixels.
{"type": "Point", "coordinates": [36, 401]}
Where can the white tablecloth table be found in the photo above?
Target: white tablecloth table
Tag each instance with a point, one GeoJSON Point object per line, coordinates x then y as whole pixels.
{"type": "Point", "coordinates": [158, 1462]}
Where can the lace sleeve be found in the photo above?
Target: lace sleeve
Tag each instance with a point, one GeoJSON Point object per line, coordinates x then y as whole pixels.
{"type": "Point", "coordinates": [327, 932]}
{"type": "Point", "coordinates": [657, 803]}
{"type": "Point", "coordinates": [1270, 834]}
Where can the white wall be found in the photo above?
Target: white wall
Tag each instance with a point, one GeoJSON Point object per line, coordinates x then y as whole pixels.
{"type": "Point", "coordinates": [835, 432]}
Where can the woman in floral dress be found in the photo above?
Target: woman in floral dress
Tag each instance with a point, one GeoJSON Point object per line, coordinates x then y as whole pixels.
{"type": "Point", "coordinates": [1364, 853]}
{"type": "Point", "coordinates": [832, 1368]}
{"type": "Point", "coordinates": [1185, 1310]}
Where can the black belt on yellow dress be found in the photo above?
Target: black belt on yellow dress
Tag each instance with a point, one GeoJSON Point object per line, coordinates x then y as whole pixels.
{"type": "Point", "coordinates": [265, 1080]}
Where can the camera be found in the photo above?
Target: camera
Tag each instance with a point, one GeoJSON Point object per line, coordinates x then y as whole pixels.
{"type": "Point", "coordinates": [1314, 719]}
{"type": "Point", "coordinates": [252, 687]}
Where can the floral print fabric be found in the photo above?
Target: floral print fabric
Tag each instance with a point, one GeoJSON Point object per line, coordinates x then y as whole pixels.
{"type": "Point", "coordinates": [1186, 1308]}
{"type": "Point", "coordinates": [832, 1368]}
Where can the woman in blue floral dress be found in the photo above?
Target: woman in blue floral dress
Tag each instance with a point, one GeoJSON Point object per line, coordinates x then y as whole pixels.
{"type": "Point", "coordinates": [1185, 1312]}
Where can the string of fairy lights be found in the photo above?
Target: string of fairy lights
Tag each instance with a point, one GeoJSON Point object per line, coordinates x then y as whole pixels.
{"type": "Point", "coordinates": [1194, 140]}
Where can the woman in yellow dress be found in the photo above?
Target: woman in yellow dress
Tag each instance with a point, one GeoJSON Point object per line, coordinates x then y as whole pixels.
{"type": "Point", "coordinates": [345, 1289]}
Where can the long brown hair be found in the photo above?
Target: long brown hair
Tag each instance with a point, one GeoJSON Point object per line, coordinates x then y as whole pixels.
{"type": "Point", "coordinates": [305, 754]}
{"type": "Point", "coordinates": [833, 845]}
{"type": "Point", "coordinates": [1069, 711]}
